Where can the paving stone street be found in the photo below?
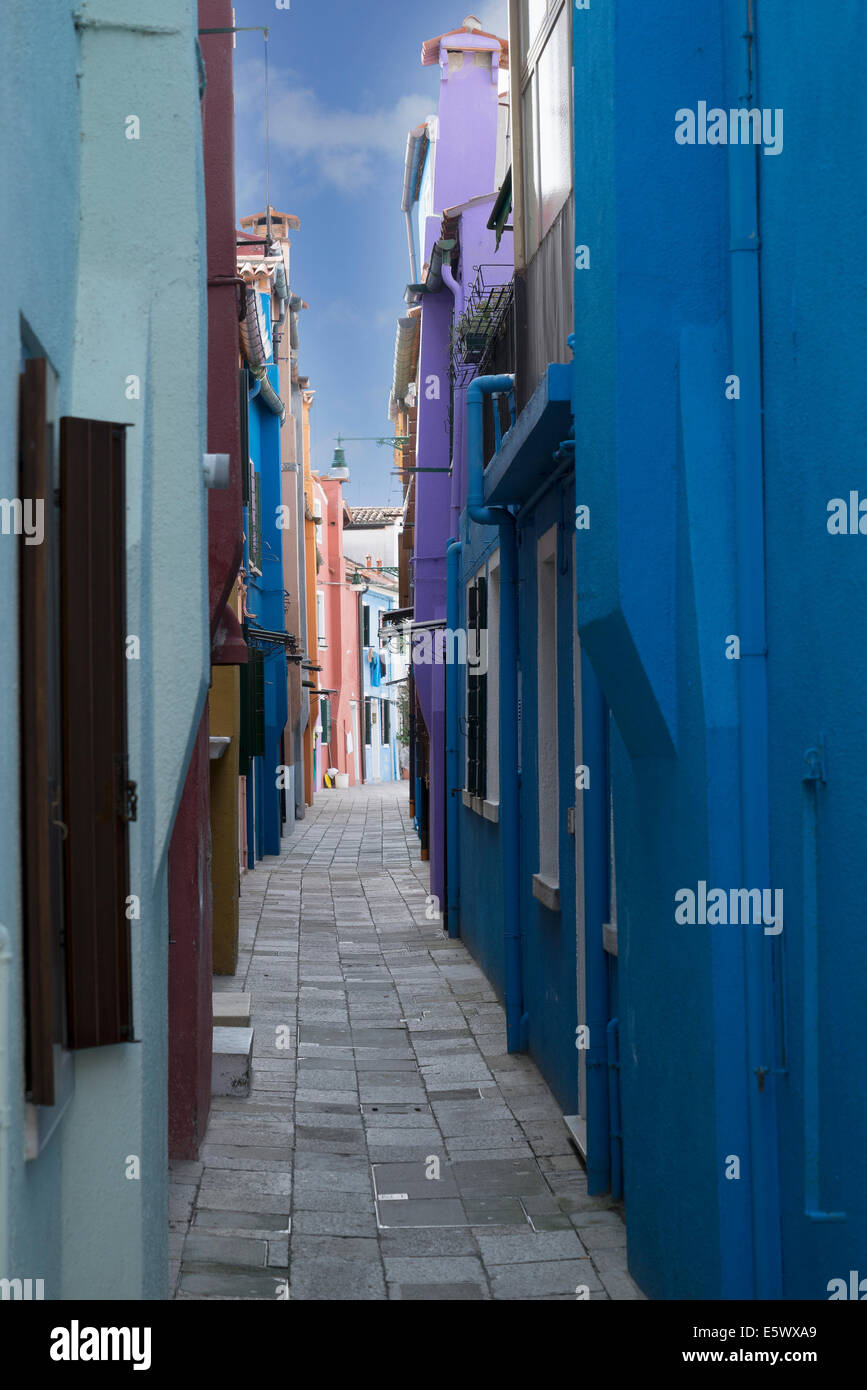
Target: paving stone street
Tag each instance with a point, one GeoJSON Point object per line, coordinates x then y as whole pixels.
{"type": "Point", "coordinates": [379, 1061]}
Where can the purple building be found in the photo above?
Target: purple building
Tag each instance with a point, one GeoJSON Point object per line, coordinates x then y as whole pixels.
{"type": "Point", "coordinates": [455, 164]}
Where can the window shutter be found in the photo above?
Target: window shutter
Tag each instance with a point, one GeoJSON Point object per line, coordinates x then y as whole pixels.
{"type": "Point", "coordinates": [472, 697]}
{"type": "Point", "coordinates": [244, 391]}
{"type": "Point", "coordinates": [41, 914]}
{"type": "Point", "coordinates": [99, 799]}
{"type": "Point", "coordinates": [365, 625]}
{"type": "Point", "coordinates": [386, 722]}
{"type": "Point", "coordinates": [482, 684]}
{"type": "Point", "coordinates": [325, 710]}
{"type": "Point", "coordinates": [368, 722]}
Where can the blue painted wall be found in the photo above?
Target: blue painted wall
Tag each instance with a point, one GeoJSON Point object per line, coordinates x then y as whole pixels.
{"type": "Point", "coordinates": [266, 599]}
{"type": "Point", "coordinates": [657, 451]}
{"type": "Point", "coordinates": [388, 769]}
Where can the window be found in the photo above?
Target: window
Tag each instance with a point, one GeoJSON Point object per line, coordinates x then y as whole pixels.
{"type": "Point", "coordinates": [254, 523]}
{"type": "Point", "coordinates": [477, 688]}
{"type": "Point", "coordinates": [76, 796]}
{"type": "Point", "coordinates": [99, 799]}
{"type": "Point", "coordinates": [546, 884]}
{"type": "Point", "coordinates": [368, 721]}
{"type": "Point", "coordinates": [546, 111]}
{"type": "Point", "coordinates": [386, 722]}
{"type": "Point", "coordinates": [365, 625]}
{"type": "Point", "coordinates": [320, 617]}
{"type": "Point", "coordinates": [325, 716]}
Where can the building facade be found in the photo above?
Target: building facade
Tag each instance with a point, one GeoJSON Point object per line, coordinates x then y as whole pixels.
{"type": "Point", "coordinates": [89, 346]}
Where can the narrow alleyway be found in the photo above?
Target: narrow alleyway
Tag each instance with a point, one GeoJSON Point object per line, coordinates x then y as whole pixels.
{"type": "Point", "coordinates": [379, 1047]}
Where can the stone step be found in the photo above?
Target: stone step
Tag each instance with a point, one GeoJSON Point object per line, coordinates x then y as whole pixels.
{"type": "Point", "coordinates": [232, 1010]}
{"type": "Point", "coordinates": [230, 1068]}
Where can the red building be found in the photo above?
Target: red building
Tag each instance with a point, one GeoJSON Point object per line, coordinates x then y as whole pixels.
{"type": "Point", "coordinates": [190, 888]}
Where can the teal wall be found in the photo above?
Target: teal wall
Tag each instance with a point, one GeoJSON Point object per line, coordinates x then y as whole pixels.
{"type": "Point", "coordinates": [105, 240]}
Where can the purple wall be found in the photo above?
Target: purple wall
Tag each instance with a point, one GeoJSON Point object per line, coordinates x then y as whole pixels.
{"type": "Point", "coordinates": [465, 168]}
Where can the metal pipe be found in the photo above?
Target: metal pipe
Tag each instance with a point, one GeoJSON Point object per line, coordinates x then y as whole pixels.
{"type": "Point", "coordinates": [595, 855]}
{"type": "Point", "coordinates": [454, 550]}
{"type": "Point", "coordinates": [612, 1038]}
{"type": "Point", "coordinates": [750, 529]}
{"type": "Point", "coordinates": [517, 1022]}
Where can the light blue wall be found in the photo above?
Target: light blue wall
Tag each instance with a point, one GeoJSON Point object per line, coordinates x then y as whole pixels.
{"type": "Point", "coordinates": [389, 767]}
{"type": "Point", "coordinates": [108, 235]}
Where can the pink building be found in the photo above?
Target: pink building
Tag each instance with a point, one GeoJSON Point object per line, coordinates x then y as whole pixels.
{"type": "Point", "coordinates": [337, 605]}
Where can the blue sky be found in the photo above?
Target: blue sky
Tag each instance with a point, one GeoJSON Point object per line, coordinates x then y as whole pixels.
{"type": "Point", "coordinates": [346, 85]}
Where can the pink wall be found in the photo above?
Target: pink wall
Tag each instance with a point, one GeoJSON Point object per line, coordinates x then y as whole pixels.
{"type": "Point", "coordinates": [339, 660]}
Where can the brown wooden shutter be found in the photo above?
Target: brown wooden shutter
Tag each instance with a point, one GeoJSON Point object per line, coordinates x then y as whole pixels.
{"type": "Point", "coordinates": [99, 799]}
{"type": "Point", "coordinates": [36, 815]}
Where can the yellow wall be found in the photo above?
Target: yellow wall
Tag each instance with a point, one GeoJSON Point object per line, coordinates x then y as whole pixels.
{"type": "Point", "coordinates": [225, 715]}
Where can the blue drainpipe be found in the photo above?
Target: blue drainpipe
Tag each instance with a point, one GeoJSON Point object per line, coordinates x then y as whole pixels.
{"type": "Point", "coordinates": [453, 858]}
{"type": "Point", "coordinates": [517, 1022]}
{"type": "Point", "coordinates": [750, 527]}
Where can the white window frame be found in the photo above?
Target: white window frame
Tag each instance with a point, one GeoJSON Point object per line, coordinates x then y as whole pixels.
{"type": "Point", "coordinates": [531, 54]}
{"type": "Point", "coordinates": [321, 631]}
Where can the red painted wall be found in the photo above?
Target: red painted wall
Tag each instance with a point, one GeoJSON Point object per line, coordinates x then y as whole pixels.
{"type": "Point", "coordinates": [190, 914]}
{"type": "Point", "coordinates": [190, 1013]}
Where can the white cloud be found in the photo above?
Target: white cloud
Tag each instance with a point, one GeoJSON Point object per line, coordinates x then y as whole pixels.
{"type": "Point", "coordinates": [330, 145]}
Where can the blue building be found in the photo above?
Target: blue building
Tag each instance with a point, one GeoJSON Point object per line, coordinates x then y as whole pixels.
{"type": "Point", "coordinates": [383, 668]}
{"type": "Point", "coordinates": [653, 777]}
{"type": "Point", "coordinates": [265, 759]}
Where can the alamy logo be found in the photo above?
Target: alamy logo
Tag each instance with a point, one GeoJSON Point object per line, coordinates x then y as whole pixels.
{"type": "Point", "coordinates": [22, 1288]}
{"type": "Point", "coordinates": [739, 126]}
{"type": "Point", "coordinates": [23, 517]}
{"type": "Point", "coordinates": [837, 1288]}
{"type": "Point", "coordinates": [76, 1343]}
{"type": "Point", "coordinates": [735, 907]}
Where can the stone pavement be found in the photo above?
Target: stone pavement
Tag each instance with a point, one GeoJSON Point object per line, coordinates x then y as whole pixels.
{"type": "Point", "coordinates": [389, 1147]}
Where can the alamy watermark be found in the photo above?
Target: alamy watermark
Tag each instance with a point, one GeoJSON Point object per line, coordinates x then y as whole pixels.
{"type": "Point", "coordinates": [440, 646]}
{"type": "Point", "coordinates": [23, 516]}
{"type": "Point", "coordinates": [739, 126]}
{"type": "Point", "coordinates": [730, 907]}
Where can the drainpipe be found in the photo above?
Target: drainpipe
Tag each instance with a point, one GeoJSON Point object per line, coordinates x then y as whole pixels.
{"type": "Point", "coordinates": [750, 525]}
{"type": "Point", "coordinates": [453, 779]}
{"type": "Point", "coordinates": [517, 1022]}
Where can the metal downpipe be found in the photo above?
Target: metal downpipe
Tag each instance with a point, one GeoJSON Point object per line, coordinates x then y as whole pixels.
{"type": "Point", "coordinates": [517, 1022]}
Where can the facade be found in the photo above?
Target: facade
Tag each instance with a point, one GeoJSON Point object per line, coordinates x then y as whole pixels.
{"type": "Point", "coordinates": [715, 407]}
{"type": "Point", "coordinates": [449, 193]}
{"type": "Point", "coordinates": [265, 702]}
{"type": "Point", "coordinates": [203, 863]}
{"type": "Point", "coordinates": [650, 704]}
{"type": "Point", "coordinates": [384, 666]}
{"type": "Point", "coordinates": [84, 1110]}
{"type": "Point", "coordinates": [374, 532]}
{"type": "Point", "coordinates": [339, 685]}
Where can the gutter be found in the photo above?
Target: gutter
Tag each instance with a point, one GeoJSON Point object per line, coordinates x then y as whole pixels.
{"type": "Point", "coordinates": [744, 272]}
{"type": "Point", "coordinates": [517, 1021]}
{"type": "Point", "coordinates": [267, 392]}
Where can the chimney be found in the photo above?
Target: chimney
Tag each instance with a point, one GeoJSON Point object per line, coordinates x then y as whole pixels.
{"type": "Point", "coordinates": [379, 564]}
{"type": "Point", "coordinates": [368, 560]}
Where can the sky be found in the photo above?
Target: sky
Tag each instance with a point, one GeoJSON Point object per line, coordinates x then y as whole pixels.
{"type": "Point", "coordinates": [346, 85]}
